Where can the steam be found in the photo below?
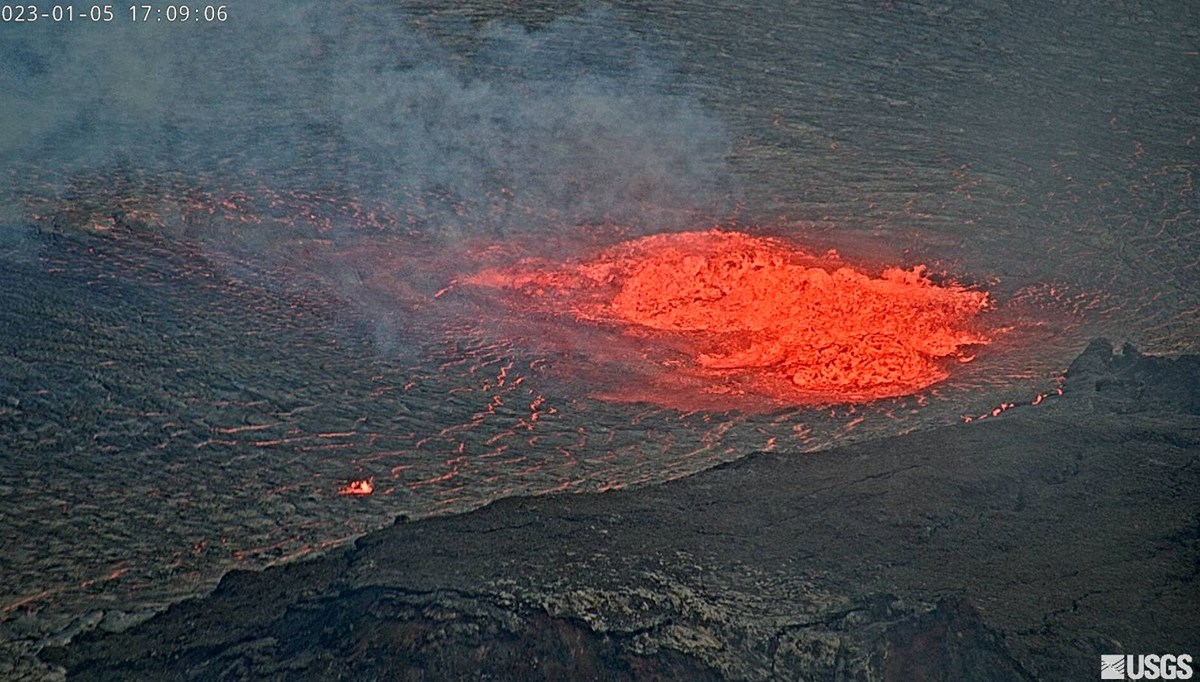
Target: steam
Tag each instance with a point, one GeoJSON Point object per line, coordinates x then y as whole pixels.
{"type": "Point", "coordinates": [522, 129]}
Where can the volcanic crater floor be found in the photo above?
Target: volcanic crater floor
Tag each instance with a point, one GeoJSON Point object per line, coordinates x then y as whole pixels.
{"type": "Point", "coordinates": [1017, 548]}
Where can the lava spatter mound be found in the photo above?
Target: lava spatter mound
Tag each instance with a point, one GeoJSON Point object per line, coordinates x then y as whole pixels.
{"type": "Point", "coordinates": [757, 315]}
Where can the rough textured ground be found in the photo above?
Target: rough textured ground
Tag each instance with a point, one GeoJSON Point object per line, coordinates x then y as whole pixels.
{"type": "Point", "coordinates": [1018, 548]}
{"type": "Point", "coordinates": [182, 403]}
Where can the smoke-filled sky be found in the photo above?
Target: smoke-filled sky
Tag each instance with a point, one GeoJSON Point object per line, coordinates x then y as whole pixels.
{"type": "Point", "coordinates": [528, 127]}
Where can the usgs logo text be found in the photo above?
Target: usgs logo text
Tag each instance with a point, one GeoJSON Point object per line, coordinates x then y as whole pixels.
{"type": "Point", "coordinates": [1145, 667]}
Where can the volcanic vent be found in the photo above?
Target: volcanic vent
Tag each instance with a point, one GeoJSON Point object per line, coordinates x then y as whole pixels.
{"type": "Point", "coordinates": [728, 313]}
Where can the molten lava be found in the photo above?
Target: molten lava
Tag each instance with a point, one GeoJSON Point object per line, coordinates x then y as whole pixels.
{"type": "Point", "coordinates": [739, 314]}
{"type": "Point", "coordinates": [364, 486]}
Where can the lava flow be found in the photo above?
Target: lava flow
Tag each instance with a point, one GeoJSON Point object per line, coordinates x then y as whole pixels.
{"type": "Point", "coordinates": [726, 314]}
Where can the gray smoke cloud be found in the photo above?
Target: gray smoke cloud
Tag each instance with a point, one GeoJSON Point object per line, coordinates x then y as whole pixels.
{"type": "Point", "coordinates": [578, 121]}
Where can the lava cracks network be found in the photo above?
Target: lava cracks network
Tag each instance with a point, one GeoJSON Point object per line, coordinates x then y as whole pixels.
{"type": "Point", "coordinates": [759, 310]}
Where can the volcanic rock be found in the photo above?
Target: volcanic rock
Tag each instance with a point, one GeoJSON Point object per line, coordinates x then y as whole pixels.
{"type": "Point", "coordinates": [1017, 548]}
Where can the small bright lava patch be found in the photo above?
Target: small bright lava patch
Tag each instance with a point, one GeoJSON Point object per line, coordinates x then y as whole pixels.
{"type": "Point", "coordinates": [359, 487]}
{"type": "Point", "coordinates": [726, 314]}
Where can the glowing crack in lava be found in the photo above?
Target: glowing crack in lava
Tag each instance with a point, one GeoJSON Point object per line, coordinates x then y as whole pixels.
{"type": "Point", "coordinates": [726, 313]}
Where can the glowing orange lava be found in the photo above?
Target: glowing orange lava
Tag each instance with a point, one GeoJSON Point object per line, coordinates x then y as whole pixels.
{"type": "Point", "coordinates": [739, 314]}
{"type": "Point", "coordinates": [359, 487]}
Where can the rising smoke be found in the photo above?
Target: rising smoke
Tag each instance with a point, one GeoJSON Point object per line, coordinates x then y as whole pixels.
{"type": "Point", "coordinates": [512, 129]}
